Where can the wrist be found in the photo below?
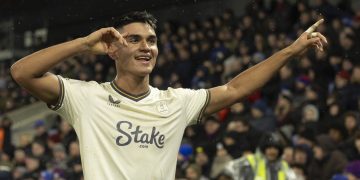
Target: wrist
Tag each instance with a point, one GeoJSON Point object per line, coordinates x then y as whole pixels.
{"type": "Point", "coordinates": [290, 50]}
{"type": "Point", "coordinates": [83, 44]}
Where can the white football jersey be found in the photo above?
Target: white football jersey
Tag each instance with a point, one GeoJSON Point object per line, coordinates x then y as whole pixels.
{"type": "Point", "coordinates": [128, 137]}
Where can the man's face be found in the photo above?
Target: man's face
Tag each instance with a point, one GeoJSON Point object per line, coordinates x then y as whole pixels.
{"type": "Point", "coordinates": [139, 57]}
{"type": "Point", "coordinates": [271, 153]}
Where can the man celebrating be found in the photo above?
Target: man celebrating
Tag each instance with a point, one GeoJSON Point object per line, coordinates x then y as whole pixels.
{"type": "Point", "coordinates": [126, 128]}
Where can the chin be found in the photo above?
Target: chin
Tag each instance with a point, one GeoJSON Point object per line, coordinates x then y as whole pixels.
{"type": "Point", "coordinates": [145, 72]}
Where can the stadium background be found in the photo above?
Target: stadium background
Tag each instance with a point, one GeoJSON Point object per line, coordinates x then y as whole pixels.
{"type": "Point", "coordinates": [202, 44]}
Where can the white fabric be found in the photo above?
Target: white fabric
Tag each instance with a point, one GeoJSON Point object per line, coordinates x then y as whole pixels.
{"type": "Point", "coordinates": [121, 138]}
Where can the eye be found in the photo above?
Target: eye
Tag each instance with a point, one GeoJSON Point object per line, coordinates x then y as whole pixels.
{"type": "Point", "coordinates": [133, 39]}
{"type": "Point", "coordinates": [152, 40]}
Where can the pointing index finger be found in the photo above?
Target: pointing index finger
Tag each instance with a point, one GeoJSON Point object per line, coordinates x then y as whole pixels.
{"type": "Point", "coordinates": [314, 26]}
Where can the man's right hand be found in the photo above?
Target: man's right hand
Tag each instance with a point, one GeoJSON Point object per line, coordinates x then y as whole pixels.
{"type": "Point", "coordinates": [31, 72]}
{"type": "Point", "coordinates": [99, 41]}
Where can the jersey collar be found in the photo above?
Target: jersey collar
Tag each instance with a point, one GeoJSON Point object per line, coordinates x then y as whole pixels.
{"type": "Point", "coordinates": [129, 95]}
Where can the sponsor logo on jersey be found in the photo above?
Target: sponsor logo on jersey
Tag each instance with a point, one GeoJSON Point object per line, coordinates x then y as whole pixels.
{"type": "Point", "coordinates": [113, 102]}
{"type": "Point", "coordinates": [135, 134]}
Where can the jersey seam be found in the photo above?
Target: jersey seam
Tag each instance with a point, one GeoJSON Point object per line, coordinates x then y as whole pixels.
{"type": "Point", "coordinates": [61, 97]}
{"type": "Point", "coordinates": [129, 96]}
{"type": "Point", "coordinates": [204, 106]}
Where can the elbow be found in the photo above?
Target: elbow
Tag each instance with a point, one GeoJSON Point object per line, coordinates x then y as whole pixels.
{"type": "Point", "coordinates": [16, 73]}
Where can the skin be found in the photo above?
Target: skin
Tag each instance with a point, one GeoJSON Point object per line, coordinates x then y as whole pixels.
{"type": "Point", "coordinates": [127, 44]}
{"type": "Point", "coordinates": [271, 153]}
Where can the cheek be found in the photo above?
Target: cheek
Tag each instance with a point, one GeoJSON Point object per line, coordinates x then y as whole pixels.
{"type": "Point", "coordinates": [124, 54]}
{"type": "Point", "coordinates": [155, 51]}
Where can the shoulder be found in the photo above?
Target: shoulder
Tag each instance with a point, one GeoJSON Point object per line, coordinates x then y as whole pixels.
{"type": "Point", "coordinates": [81, 84]}
{"type": "Point", "coordinates": [182, 91]}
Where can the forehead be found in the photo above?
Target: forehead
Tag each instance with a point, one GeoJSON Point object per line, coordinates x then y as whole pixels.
{"type": "Point", "coordinates": [138, 28]}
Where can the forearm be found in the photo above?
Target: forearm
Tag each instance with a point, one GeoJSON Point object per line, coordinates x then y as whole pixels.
{"type": "Point", "coordinates": [257, 76]}
{"type": "Point", "coordinates": [37, 64]}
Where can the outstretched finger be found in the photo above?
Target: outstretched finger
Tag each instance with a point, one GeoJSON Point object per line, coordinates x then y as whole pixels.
{"type": "Point", "coordinates": [314, 26]}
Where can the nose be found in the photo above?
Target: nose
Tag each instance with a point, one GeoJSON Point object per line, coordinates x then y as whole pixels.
{"type": "Point", "coordinates": [144, 46]}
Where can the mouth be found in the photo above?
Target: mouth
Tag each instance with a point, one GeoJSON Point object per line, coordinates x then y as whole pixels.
{"type": "Point", "coordinates": [144, 57]}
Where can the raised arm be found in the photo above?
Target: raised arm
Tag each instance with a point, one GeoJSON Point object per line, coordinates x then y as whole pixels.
{"type": "Point", "coordinates": [31, 72]}
{"type": "Point", "coordinates": [255, 77]}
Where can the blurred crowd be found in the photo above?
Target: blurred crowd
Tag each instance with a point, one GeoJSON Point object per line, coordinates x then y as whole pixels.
{"type": "Point", "coordinates": [306, 117]}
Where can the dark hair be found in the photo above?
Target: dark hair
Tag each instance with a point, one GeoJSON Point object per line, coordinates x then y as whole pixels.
{"type": "Point", "coordinates": [351, 114]}
{"type": "Point", "coordinates": [269, 140]}
{"type": "Point", "coordinates": [136, 16]}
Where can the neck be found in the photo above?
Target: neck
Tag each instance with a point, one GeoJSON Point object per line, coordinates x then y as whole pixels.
{"type": "Point", "coordinates": [133, 84]}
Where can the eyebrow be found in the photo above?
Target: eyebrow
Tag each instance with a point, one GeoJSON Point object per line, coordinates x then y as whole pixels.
{"type": "Point", "coordinates": [139, 36]}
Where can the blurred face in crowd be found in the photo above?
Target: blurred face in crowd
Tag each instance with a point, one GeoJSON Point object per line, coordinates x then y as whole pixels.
{"type": "Point", "coordinates": [74, 149]}
{"type": "Point", "coordinates": [305, 62]}
{"type": "Point", "coordinates": [201, 159]}
{"type": "Point", "coordinates": [139, 57]}
{"type": "Point", "coordinates": [40, 130]}
{"type": "Point", "coordinates": [211, 127]}
{"type": "Point", "coordinates": [19, 155]}
{"type": "Point", "coordinates": [300, 157]}
{"type": "Point", "coordinates": [350, 176]}
{"type": "Point", "coordinates": [65, 127]}
{"type": "Point", "coordinates": [340, 82]}
{"type": "Point", "coordinates": [229, 141]}
{"type": "Point", "coordinates": [271, 153]}
{"type": "Point", "coordinates": [335, 135]}
{"type": "Point", "coordinates": [237, 108]}
{"type": "Point", "coordinates": [237, 126]}
{"type": "Point", "coordinates": [345, 42]}
{"type": "Point", "coordinates": [357, 144]}
{"type": "Point", "coordinates": [158, 81]}
{"type": "Point", "coordinates": [282, 101]}
{"type": "Point", "coordinates": [350, 122]}
{"type": "Point", "coordinates": [334, 109]}
{"type": "Point", "coordinates": [32, 164]}
{"type": "Point", "coordinates": [272, 39]}
{"type": "Point", "coordinates": [288, 155]}
{"type": "Point", "coordinates": [59, 155]}
{"type": "Point", "coordinates": [304, 141]}
{"type": "Point", "coordinates": [310, 94]}
{"type": "Point", "coordinates": [192, 174]}
{"type": "Point", "coordinates": [318, 153]}
{"type": "Point", "coordinates": [336, 24]}
{"type": "Point", "coordinates": [24, 140]}
{"type": "Point", "coordinates": [356, 74]}
{"type": "Point", "coordinates": [304, 18]}
{"type": "Point", "coordinates": [37, 149]}
{"type": "Point", "coordinates": [247, 22]}
{"type": "Point", "coordinates": [309, 114]}
{"type": "Point", "coordinates": [285, 72]}
{"type": "Point", "coordinates": [256, 113]}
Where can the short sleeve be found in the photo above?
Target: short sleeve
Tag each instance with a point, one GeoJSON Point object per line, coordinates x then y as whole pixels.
{"type": "Point", "coordinates": [71, 100]}
{"type": "Point", "coordinates": [195, 102]}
